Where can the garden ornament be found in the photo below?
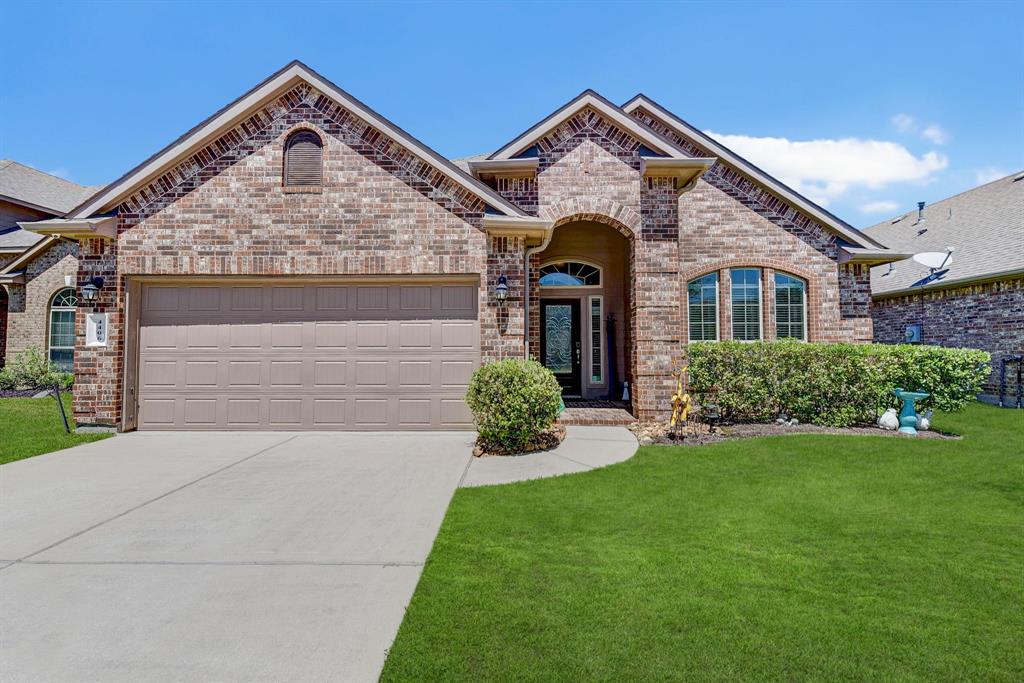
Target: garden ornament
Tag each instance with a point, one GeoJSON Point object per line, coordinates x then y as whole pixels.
{"type": "Point", "coordinates": [682, 404]}
{"type": "Point", "coordinates": [908, 415]}
{"type": "Point", "coordinates": [924, 422]}
{"type": "Point", "coordinates": [889, 420]}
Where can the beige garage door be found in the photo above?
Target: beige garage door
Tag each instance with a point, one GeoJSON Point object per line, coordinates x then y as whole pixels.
{"type": "Point", "coordinates": [307, 356]}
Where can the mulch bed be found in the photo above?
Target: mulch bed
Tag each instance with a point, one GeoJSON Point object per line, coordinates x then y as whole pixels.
{"type": "Point", "coordinates": [545, 441]}
{"type": "Point", "coordinates": [18, 393]}
{"type": "Point", "coordinates": [702, 435]}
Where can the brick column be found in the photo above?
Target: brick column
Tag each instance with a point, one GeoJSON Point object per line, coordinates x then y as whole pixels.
{"type": "Point", "coordinates": [501, 324]}
{"type": "Point", "coordinates": [98, 371]}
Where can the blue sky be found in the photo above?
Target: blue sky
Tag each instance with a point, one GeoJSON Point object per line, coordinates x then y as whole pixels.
{"type": "Point", "coordinates": [865, 107]}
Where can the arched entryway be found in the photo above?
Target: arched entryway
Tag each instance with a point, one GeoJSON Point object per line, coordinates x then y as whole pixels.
{"type": "Point", "coordinates": [581, 323]}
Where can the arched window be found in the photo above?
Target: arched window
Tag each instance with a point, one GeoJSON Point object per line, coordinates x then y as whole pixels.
{"type": "Point", "coordinates": [569, 274]}
{"type": "Point", "coordinates": [303, 160]}
{"type": "Point", "coordinates": [703, 308]}
{"type": "Point", "coordinates": [790, 307]}
{"type": "Point", "coordinates": [62, 329]}
{"type": "Point", "coordinates": [746, 303]}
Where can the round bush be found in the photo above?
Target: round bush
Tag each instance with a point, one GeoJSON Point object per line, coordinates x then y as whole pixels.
{"type": "Point", "coordinates": [513, 401]}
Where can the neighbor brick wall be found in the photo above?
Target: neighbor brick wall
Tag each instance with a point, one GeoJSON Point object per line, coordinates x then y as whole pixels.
{"type": "Point", "coordinates": [223, 212]}
{"type": "Point", "coordinates": [987, 316]}
{"type": "Point", "coordinates": [29, 303]}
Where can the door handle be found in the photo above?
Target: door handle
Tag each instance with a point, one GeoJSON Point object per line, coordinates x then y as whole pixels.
{"type": "Point", "coordinates": [577, 352]}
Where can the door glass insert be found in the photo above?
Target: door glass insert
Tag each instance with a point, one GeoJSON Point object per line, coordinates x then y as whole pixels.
{"type": "Point", "coordinates": [558, 338]}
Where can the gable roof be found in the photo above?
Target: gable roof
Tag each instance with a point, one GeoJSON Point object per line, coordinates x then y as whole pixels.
{"type": "Point", "coordinates": [985, 227]}
{"type": "Point", "coordinates": [44, 243]}
{"type": "Point", "coordinates": [752, 172]}
{"type": "Point", "coordinates": [24, 185]}
{"type": "Point", "coordinates": [589, 98]}
{"type": "Point", "coordinates": [278, 83]}
{"type": "Point", "coordinates": [16, 240]}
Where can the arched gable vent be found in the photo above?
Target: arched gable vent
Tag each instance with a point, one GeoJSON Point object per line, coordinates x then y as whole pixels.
{"type": "Point", "coordinates": [303, 160]}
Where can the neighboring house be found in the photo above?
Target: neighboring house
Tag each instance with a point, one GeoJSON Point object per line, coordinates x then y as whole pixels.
{"type": "Point", "coordinates": [37, 273]}
{"type": "Point", "coordinates": [299, 262]}
{"type": "Point", "coordinates": [978, 300]}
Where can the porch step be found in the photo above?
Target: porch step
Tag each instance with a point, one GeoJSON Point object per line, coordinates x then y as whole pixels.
{"type": "Point", "coordinates": [596, 416]}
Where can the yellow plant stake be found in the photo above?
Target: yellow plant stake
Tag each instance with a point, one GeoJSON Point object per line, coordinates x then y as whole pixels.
{"type": "Point", "coordinates": [682, 404]}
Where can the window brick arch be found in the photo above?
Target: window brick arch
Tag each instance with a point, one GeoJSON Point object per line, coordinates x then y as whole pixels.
{"type": "Point", "coordinates": [303, 159]}
{"type": "Point", "coordinates": [813, 293]}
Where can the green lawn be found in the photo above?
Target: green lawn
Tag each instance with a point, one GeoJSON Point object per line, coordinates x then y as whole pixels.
{"type": "Point", "coordinates": [807, 557]}
{"type": "Point", "coordinates": [30, 426]}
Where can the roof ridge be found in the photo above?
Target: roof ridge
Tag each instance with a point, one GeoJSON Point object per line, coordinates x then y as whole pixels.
{"type": "Point", "coordinates": [937, 202]}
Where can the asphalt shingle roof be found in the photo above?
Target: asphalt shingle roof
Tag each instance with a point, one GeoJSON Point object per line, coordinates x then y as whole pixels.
{"type": "Point", "coordinates": [16, 238]}
{"type": "Point", "coordinates": [985, 227]}
{"type": "Point", "coordinates": [26, 184]}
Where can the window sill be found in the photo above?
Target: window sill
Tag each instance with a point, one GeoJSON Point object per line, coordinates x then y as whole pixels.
{"type": "Point", "coordinates": [303, 189]}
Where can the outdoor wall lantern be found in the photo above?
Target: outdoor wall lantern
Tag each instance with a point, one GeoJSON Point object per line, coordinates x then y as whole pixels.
{"type": "Point", "coordinates": [501, 289]}
{"type": "Point", "coordinates": [92, 289]}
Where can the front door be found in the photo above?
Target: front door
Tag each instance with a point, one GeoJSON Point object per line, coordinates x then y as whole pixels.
{"type": "Point", "coordinates": [560, 341]}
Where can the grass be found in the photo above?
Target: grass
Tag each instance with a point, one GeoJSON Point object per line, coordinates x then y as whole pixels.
{"type": "Point", "coordinates": [32, 426]}
{"type": "Point", "coordinates": [810, 557]}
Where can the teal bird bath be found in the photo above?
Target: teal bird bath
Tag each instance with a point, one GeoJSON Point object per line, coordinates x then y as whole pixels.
{"type": "Point", "coordinates": [908, 414]}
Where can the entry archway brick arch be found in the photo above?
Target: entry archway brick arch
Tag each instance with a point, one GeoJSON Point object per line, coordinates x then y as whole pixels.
{"type": "Point", "coordinates": [596, 209]}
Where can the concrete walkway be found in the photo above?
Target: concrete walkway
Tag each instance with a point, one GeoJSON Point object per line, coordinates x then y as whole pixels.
{"type": "Point", "coordinates": [218, 557]}
{"type": "Point", "coordinates": [584, 448]}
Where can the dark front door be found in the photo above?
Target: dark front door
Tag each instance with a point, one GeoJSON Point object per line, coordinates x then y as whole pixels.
{"type": "Point", "coordinates": [560, 341]}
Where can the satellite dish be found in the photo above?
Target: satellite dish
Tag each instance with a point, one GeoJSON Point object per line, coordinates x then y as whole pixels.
{"type": "Point", "coordinates": [935, 260]}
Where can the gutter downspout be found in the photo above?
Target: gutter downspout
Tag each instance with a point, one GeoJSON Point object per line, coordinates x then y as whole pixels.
{"type": "Point", "coordinates": [526, 287]}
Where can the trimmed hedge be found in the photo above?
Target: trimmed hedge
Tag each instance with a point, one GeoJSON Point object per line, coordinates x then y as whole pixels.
{"type": "Point", "coordinates": [829, 384]}
{"type": "Point", "coordinates": [513, 401]}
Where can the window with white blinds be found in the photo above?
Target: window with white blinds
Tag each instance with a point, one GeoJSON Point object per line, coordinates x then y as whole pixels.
{"type": "Point", "coordinates": [303, 160]}
{"type": "Point", "coordinates": [746, 303]}
{"type": "Point", "coordinates": [703, 308]}
{"type": "Point", "coordinates": [790, 307]}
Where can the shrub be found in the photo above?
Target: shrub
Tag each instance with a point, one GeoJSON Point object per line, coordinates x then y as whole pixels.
{"type": "Point", "coordinates": [830, 384]}
{"type": "Point", "coordinates": [6, 379]}
{"type": "Point", "coordinates": [31, 369]}
{"type": "Point", "coordinates": [513, 401]}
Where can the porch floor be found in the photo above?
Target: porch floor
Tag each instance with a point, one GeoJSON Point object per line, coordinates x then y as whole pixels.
{"type": "Point", "coordinates": [591, 413]}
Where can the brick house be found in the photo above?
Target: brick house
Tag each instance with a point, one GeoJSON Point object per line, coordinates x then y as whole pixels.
{"type": "Point", "coordinates": [977, 299]}
{"type": "Point", "coordinates": [299, 262]}
{"type": "Point", "coordinates": [37, 273]}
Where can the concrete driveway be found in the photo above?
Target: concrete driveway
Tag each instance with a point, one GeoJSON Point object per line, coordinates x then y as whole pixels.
{"type": "Point", "coordinates": [218, 556]}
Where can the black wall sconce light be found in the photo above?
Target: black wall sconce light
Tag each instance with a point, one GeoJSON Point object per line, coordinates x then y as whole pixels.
{"type": "Point", "coordinates": [91, 289]}
{"type": "Point", "coordinates": [501, 289]}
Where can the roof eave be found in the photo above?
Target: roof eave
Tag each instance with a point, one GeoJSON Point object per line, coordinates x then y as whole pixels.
{"type": "Point", "coordinates": [759, 176]}
{"type": "Point", "coordinates": [75, 228]}
{"type": "Point", "coordinates": [939, 285]}
{"type": "Point", "coordinates": [532, 229]}
{"type": "Point", "coordinates": [14, 278]}
{"type": "Point", "coordinates": [870, 256]}
{"type": "Point", "coordinates": [31, 205]}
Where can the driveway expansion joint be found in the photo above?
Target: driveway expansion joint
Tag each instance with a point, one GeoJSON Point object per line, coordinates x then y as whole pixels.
{"type": "Point", "coordinates": [151, 500]}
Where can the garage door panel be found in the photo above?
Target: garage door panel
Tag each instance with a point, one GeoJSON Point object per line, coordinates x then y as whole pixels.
{"type": "Point", "coordinates": [307, 357]}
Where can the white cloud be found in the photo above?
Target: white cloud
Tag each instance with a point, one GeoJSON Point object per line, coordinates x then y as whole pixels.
{"type": "Point", "coordinates": [987, 175]}
{"type": "Point", "coordinates": [884, 206]}
{"type": "Point", "coordinates": [935, 133]}
{"type": "Point", "coordinates": [904, 122]}
{"type": "Point", "coordinates": [61, 173]}
{"type": "Point", "coordinates": [825, 170]}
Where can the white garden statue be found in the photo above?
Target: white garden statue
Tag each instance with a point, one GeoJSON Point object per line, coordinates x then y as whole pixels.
{"type": "Point", "coordinates": [889, 420]}
{"type": "Point", "coordinates": [925, 421]}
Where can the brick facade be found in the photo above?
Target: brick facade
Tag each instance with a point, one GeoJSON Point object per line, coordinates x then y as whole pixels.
{"type": "Point", "coordinates": [988, 316]}
{"type": "Point", "coordinates": [383, 212]}
{"type": "Point", "coordinates": [28, 304]}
